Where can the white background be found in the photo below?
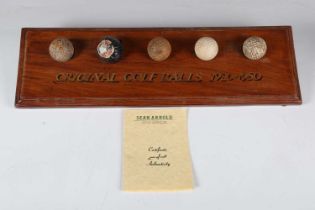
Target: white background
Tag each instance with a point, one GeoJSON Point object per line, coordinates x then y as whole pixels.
{"type": "Point", "coordinates": [245, 158]}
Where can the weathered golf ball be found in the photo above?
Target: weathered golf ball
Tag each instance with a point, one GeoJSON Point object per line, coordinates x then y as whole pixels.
{"type": "Point", "coordinates": [110, 49]}
{"type": "Point", "coordinates": [159, 49]}
{"type": "Point", "coordinates": [206, 48]}
{"type": "Point", "coordinates": [61, 49]}
{"type": "Point", "coordinates": [255, 48]}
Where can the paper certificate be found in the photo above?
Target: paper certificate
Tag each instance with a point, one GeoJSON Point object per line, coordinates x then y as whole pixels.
{"type": "Point", "coordinates": [156, 153]}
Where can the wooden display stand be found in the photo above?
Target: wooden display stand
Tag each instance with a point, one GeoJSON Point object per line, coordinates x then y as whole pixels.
{"type": "Point", "coordinates": [136, 80]}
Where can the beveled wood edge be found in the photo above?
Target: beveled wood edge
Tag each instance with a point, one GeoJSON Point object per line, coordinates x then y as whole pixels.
{"type": "Point", "coordinates": [20, 66]}
{"type": "Point", "coordinates": [164, 101]}
{"type": "Point", "coordinates": [154, 28]}
{"type": "Point", "coordinates": [294, 64]}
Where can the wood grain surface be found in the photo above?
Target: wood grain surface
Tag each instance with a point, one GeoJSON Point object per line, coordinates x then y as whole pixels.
{"type": "Point", "coordinates": [182, 79]}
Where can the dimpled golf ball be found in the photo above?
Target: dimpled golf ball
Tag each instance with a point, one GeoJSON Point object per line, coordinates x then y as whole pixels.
{"type": "Point", "coordinates": [110, 49]}
{"type": "Point", "coordinates": [61, 49]}
{"type": "Point", "coordinates": [159, 49]}
{"type": "Point", "coordinates": [206, 48]}
{"type": "Point", "coordinates": [255, 48]}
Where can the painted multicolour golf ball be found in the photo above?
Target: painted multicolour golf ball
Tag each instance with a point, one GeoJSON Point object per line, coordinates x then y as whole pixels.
{"type": "Point", "coordinates": [206, 48]}
{"type": "Point", "coordinates": [255, 48]}
{"type": "Point", "coordinates": [110, 49]}
{"type": "Point", "coordinates": [61, 49]}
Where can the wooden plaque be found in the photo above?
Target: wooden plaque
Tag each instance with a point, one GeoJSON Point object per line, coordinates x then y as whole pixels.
{"type": "Point", "coordinates": [182, 79]}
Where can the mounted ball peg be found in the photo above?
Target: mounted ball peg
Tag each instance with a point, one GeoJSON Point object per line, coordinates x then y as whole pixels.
{"type": "Point", "coordinates": [61, 49]}
{"type": "Point", "coordinates": [110, 49]}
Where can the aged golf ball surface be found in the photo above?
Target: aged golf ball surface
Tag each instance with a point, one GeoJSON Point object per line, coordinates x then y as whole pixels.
{"type": "Point", "coordinates": [159, 49]}
{"type": "Point", "coordinates": [61, 49]}
{"type": "Point", "coordinates": [254, 48]}
{"type": "Point", "coordinates": [110, 49]}
{"type": "Point", "coordinates": [206, 48]}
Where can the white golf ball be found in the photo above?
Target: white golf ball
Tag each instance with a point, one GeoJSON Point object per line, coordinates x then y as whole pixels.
{"type": "Point", "coordinates": [206, 48]}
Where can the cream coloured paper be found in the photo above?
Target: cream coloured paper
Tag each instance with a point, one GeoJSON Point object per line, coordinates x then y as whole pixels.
{"type": "Point", "coordinates": [156, 153]}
